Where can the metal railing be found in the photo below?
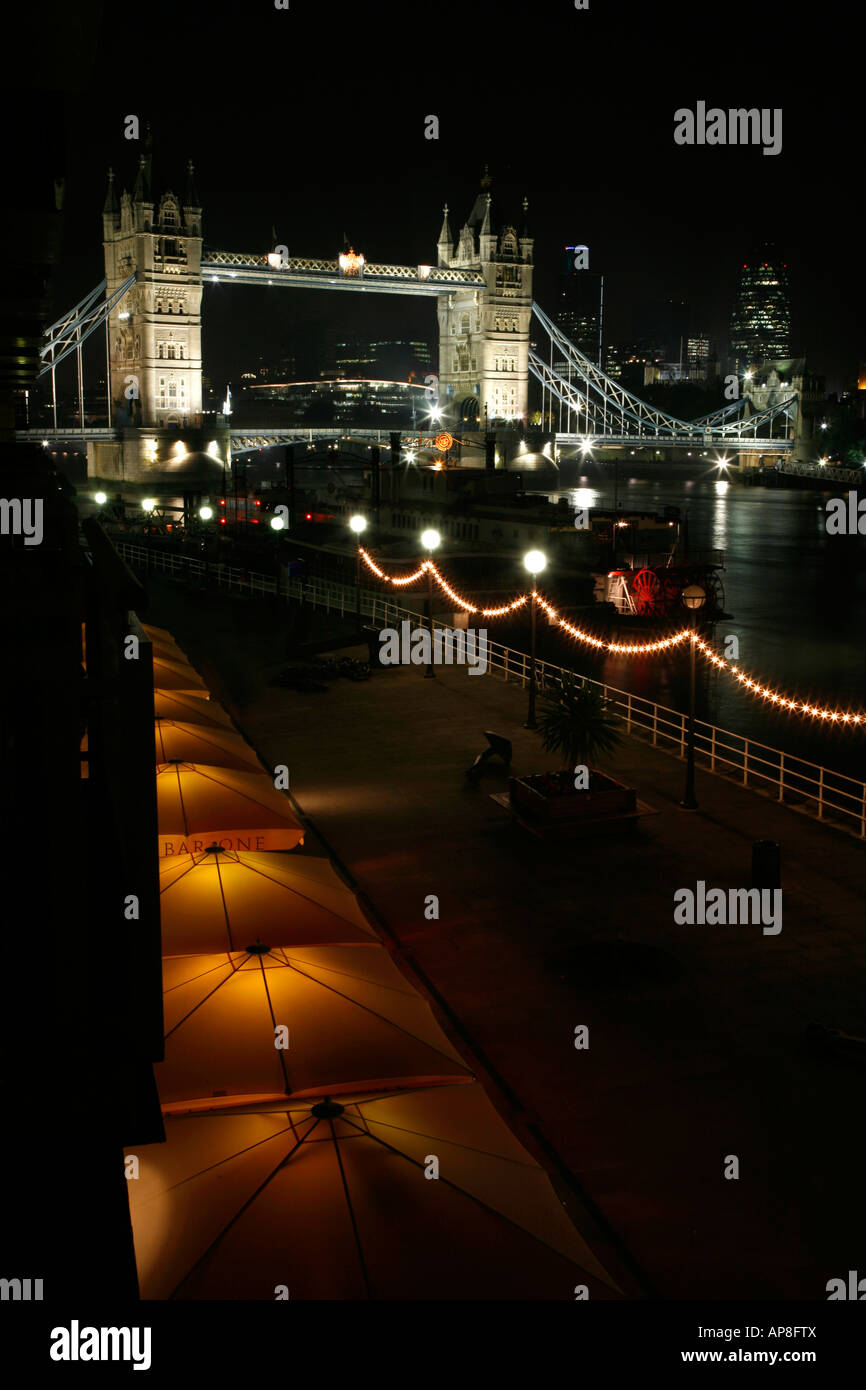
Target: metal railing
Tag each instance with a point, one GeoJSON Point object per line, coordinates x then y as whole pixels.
{"type": "Point", "coordinates": [793, 780]}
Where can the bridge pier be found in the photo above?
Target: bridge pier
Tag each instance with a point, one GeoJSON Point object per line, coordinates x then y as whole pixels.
{"type": "Point", "coordinates": [174, 458]}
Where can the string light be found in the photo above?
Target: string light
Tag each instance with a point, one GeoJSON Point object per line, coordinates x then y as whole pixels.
{"type": "Point", "coordinates": [774, 697]}
{"type": "Point", "coordinates": [601, 644]}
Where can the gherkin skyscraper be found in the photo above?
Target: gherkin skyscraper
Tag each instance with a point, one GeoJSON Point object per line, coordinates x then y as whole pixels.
{"type": "Point", "coordinates": [761, 320]}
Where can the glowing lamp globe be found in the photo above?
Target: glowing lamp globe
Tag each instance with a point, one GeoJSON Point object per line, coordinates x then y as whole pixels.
{"type": "Point", "coordinates": [694, 596]}
{"type": "Point", "coordinates": [430, 539]}
{"type": "Point", "coordinates": [535, 561]}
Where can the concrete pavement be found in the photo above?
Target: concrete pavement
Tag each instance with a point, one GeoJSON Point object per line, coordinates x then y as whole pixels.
{"type": "Point", "coordinates": [696, 1050]}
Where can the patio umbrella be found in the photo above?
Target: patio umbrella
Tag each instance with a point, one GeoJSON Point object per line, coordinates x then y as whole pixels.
{"type": "Point", "coordinates": [164, 637]}
{"type": "Point", "coordinates": [190, 709]}
{"type": "Point", "coordinates": [222, 901]}
{"type": "Point", "coordinates": [197, 743]}
{"type": "Point", "coordinates": [350, 1014]}
{"type": "Point", "coordinates": [177, 675]}
{"type": "Point", "coordinates": [168, 651]}
{"type": "Point", "coordinates": [328, 1198]}
{"type": "Point", "coordinates": [199, 805]}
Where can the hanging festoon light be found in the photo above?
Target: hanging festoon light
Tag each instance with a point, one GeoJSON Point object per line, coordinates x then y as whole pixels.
{"type": "Point", "coordinates": [603, 644]}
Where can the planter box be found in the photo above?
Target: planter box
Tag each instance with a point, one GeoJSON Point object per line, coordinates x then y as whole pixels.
{"type": "Point", "coordinates": [604, 797]}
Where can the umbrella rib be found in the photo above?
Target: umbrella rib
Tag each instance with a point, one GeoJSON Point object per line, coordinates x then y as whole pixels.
{"type": "Point", "coordinates": [278, 1050]}
{"type": "Point", "coordinates": [351, 1209]}
{"type": "Point", "coordinates": [375, 1014]}
{"type": "Point", "coordinates": [201, 1002]}
{"type": "Point", "coordinates": [494, 1211]}
{"type": "Point", "coordinates": [182, 805]}
{"type": "Point", "coordinates": [211, 1167]}
{"type": "Point", "coordinates": [239, 1213]}
{"type": "Point", "coordinates": [455, 1143]}
{"type": "Point", "coordinates": [247, 796]}
{"type": "Point", "coordinates": [225, 904]}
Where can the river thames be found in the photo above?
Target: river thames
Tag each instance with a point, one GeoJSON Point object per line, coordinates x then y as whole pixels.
{"type": "Point", "coordinates": [797, 597]}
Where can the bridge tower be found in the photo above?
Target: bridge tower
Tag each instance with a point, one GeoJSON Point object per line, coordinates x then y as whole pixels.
{"type": "Point", "coordinates": [484, 333]}
{"type": "Point", "coordinates": [155, 332]}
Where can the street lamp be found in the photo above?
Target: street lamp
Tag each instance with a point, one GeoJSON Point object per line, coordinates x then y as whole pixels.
{"type": "Point", "coordinates": [535, 561]}
{"type": "Point", "coordinates": [205, 513]}
{"type": "Point", "coordinates": [430, 540]}
{"type": "Point", "coordinates": [694, 598]}
{"type": "Point", "coordinates": [100, 498]}
{"type": "Point", "coordinates": [277, 523]}
{"type": "Point", "coordinates": [148, 504]}
{"type": "Point", "coordinates": [358, 525]}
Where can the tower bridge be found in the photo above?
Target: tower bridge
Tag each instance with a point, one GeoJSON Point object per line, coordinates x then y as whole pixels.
{"type": "Point", "coordinates": [492, 337]}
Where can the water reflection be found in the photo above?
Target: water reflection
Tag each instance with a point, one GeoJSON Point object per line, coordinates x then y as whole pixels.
{"type": "Point", "coordinates": [583, 497]}
{"type": "Point", "coordinates": [798, 598]}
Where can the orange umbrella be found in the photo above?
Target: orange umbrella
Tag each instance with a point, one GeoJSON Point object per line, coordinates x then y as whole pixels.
{"type": "Point", "coordinates": [163, 636]}
{"type": "Point", "coordinates": [169, 651]}
{"type": "Point", "coordinates": [329, 1199]}
{"type": "Point", "coordinates": [190, 709]}
{"type": "Point", "coordinates": [197, 743]}
{"type": "Point", "coordinates": [221, 900]}
{"type": "Point", "coordinates": [350, 1016]}
{"type": "Point", "coordinates": [177, 675]}
{"type": "Point", "coordinates": [199, 805]}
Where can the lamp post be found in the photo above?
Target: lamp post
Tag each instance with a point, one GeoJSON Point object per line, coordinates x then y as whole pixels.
{"type": "Point", "coordinates": [358, 524]}
{"type": "Point", "coordinates": [535, 561]}
{"type": "Point", "coordinates": [430, 540]}
{"type": "Point", "coordinates": [694, 598]}
{"type": "Point", "coordinates": [205, 514]}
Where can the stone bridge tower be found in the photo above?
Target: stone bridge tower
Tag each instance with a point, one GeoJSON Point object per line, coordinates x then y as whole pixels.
{"type": "Point", "coordinates": [484, 333]}
{"type": "Point", "coordinates": [155, 331]}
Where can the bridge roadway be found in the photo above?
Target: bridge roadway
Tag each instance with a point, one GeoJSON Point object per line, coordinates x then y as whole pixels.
{"type": "Point", "coordinates": [252, 437]}
{"type": "Point", "coordinates": [305, 273]}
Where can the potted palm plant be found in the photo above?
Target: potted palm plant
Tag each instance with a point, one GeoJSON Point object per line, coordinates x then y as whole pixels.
{"type": "Point", "coordinates": [576, 722]}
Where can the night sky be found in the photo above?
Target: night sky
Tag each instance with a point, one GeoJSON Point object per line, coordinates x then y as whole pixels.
{"type": "Point", "coordinates": [311, 122]}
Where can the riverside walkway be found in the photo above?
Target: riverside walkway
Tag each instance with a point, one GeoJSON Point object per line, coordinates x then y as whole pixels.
{"type": "Point", "coordinates": [696, 1048]}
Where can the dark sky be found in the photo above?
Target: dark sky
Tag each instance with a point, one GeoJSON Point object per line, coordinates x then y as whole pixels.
{"type": "Point", "coordinates": [311, 121]}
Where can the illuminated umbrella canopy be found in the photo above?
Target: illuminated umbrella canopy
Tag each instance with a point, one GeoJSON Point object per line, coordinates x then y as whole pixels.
{"type": "Point", "coordinates": [329, 1199]}
{"type": "Point", "coordinates": [190, 709]}
{"type": "Point", "coordinates": [197, 743]}
{"type": "Point", "coordinates": [162, 637]}
{"type": "Point", "coordinates": [346, 1015]}
{"type": "Point", "coordinates": [169, 651]}
{"type": "Point", "coordinates": [177, 675]}
{"type": "Point", "coordinates": [222, 901]}
{"type": "Point", "coordinates": [199, 805]}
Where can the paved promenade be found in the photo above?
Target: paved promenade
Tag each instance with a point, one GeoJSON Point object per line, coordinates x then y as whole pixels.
{"type": "Point", "coordinates": [696, 1032]}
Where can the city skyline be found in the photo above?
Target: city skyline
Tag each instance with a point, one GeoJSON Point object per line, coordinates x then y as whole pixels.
{"type": "Point", "coordinates": [661, 220]}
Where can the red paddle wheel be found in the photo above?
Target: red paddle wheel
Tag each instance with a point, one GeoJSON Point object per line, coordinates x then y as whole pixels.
{"type": "Point", "coordinates": [648, 595]}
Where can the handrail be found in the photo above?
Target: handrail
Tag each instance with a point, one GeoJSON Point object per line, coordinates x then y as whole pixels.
{"type": "Point", "coordinates": [721, 751]}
